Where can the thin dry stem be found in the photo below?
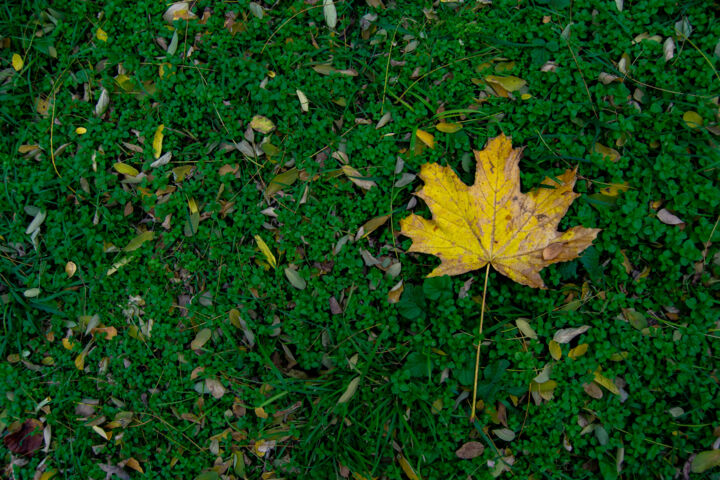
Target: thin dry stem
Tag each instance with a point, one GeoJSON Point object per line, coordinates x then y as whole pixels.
{"type": "Point", "coordinates": [477, 352]}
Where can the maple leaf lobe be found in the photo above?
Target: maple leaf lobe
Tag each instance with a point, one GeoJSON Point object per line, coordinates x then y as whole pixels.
{"type": "Point", "coordinates": [493, 221]}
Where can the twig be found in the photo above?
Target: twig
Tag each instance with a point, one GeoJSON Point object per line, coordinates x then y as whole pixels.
{"type": "Point", "coordinates": [477, 352]}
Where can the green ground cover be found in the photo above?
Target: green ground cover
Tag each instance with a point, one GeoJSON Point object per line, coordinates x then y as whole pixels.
{"type": "Point", "coordinates": [186, 291]}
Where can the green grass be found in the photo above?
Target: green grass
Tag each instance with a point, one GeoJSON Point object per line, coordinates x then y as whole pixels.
{"type": "Point", "coordinates": [286, 356]}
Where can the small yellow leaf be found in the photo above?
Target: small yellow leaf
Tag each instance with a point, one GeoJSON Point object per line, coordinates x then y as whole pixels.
{"type": "Point", "coordinates": [201, 338]}
{"type": "Point", "coordinates": [396, 292]}
{"type": "Point", "coordinates": [262, 124]}
{"type": "Point", "coordinates": [614, 189]}
{"type": "Point", "coordinates": [509, 83]}
{"type": "Point", "coordinates": [373, 224]}
{"type": "Point", "coordinates": [448, 127]}
{"type": "Point", "coordinates": [693, 119]}
{"type": "Point", "coordinates": [578, 351]}
{"type": "Point", "coordinates": [68, 344]}
{"type": "Point", "coordinates": [265, 251]}
{"type": "Point", "coordinates": [260, 412]}
{"type": "Point", "coordinates": [181, 172]}
{"type": "Point", "coordinates": [101, 432]}
{"type": "Point", "coordinates": [70, 269]}
{"type": "Point", "coordinates": [80, 361]}
{"type": "Point", "coordinates": [125, 82]}
{"type": "Point", "coordinates": [555, 350]}
{"type": "Point", "coordinates": [48, 474]}
{"type": "Point", "coordinates": [544, 387]}
{"type": "Point", "coordinates": [137, 242]}
{"type": "Point", "coordinates": [27, 148]}
{"type": "Point", "coordinates": [282, 180]}
{"type": "Point", "coordinates": [526, 96]}
{"type": "Point", "coordinates": [603, 381]}
{"type": "Point", "coordinates": [427, 138]}
{"type": "Point", "coordinates": [17, 62]}
{"type": "Point", "coordinates": [504, 66]}
{"type": "Point", "coordinates": [42, 106]}
{"type": "Point", "coordinates": [234, 316]}
{"type": "Point", "coordinates": [134, 464]}
{"type": "Point", "coordinates": [125, 169]}
{"type": "Point", "coordinates": [607, 152]}
{"type": "Point", "coordinates": [618, 356]}
{"type": "Point", "coordinates": [81, 130]}
{"type": "Point", "coordinates": [101, 35]}
{"type": "Point", "coordinates": [407, 468]}
{"type": "Point", "coordinates": [158, 141]}
{"type": "Point", "coordinates": [192, 205]}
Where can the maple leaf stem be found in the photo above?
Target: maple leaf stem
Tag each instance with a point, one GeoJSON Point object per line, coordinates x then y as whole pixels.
{"type": "Point", "coordinates": [477, 352]}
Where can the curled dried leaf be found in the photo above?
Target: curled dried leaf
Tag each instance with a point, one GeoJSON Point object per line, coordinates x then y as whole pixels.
{"type": "Point", "coordinates": [27, 439]}
{"type": "Point", "coordinates": [470, 450]}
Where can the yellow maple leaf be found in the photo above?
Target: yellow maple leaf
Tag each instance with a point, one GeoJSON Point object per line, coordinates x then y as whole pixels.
{"type": "Point", "coordinates": [492, 221]}
{"type": "Point", "coordinates": [158, 141]}
{"type": "Point", "coordinates": [101, 35]}
{"type": "Point", "coordinates": [17, 62]}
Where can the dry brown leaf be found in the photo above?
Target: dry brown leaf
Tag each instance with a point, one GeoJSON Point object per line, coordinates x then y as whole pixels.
{"type": "Point", "coordinates": [27, 439]}
{"type": "Point", "coordinates": [492, 221]}
{"type": "Point", "coordinates": [593, 390]}
{"type": "Point", "coordinates": [470, 450]}
{"type": "Point", "coordinates": [668, 218]}
{"type": "Point", "coordinates": [357, 178]}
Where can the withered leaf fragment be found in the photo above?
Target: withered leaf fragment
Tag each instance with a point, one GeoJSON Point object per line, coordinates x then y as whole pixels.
{"type": "Point", "coordinates": [27, 440]}
{"type": "Point", "coordinates": [493, 221]}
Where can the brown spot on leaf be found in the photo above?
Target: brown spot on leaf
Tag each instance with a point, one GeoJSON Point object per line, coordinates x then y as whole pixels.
{"type": "Point", "coordinates": [552, 251]}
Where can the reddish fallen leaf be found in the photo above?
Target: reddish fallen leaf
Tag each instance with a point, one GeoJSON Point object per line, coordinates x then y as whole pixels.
{"type": "Point", "coordinates": [27, 440]}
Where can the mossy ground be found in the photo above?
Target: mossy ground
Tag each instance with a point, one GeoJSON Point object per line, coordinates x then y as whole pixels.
{"type": "Point", "coordinates": [225, 366]}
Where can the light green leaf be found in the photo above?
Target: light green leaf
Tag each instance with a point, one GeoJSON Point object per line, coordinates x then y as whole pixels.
{"type": "Point", "coordinates": [705, 461]}
{"type": "Point", "coordinates": [295, 279]}
{"type": "Point", "coordinates": [256, 9]}
{"type": "Point", "coordinates": [172, 48]}
{"type": "Point", "coordinates": [126, 169]}
{"type": "Point", "coordinates": [330, 13]}
{"type": "Point", "coordinates": [36, 223]}
{"type": "Point", "coordinates": [262, 124]}
{"type": "Point", "coordinates": [201, 338]}
{"type": "Point", "coordinates": [31, 292]}
{"type": "Point", "coordinates": [350, 390]}
{"type": "Point", "coordinates": [137, 242]}
{"type": "Point", "coordinates": [504, 434]}
{"type": "Point", "coordinates": [524, 327]}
